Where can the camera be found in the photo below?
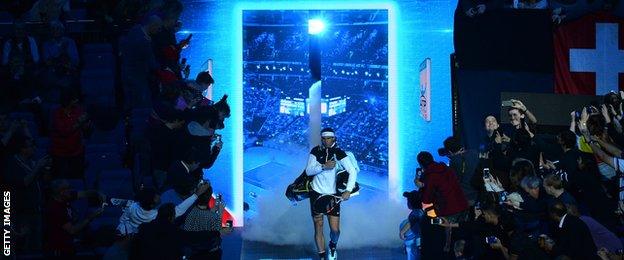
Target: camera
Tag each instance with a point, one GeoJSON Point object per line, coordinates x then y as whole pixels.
{"type": "Point", "coordinates": [443, 152]}
{"type": "Point", "coordinates": [229, 223]}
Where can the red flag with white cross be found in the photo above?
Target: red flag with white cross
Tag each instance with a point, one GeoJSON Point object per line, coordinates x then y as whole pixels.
{"type": "Point", "coordinates": [589, 55]}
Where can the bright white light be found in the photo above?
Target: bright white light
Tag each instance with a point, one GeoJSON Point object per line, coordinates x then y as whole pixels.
{"type": "Point", "coordinates": [315, 26]}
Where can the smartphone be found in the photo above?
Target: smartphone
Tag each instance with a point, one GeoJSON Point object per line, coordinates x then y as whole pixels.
{"type": "Point", "coordinates": [502, 197]}
{"type": "Point", "coordinates": [436, 221]}
{"type": "Point", "coordinates": [491, 239]}
{"type": "Point", "coordinates": [486, 172]}
{"type": "Point", "coordinates": [506, 103]}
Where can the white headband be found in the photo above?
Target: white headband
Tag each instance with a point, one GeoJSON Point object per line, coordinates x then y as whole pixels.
{"type": "Point", "coordinates": [328, 134]}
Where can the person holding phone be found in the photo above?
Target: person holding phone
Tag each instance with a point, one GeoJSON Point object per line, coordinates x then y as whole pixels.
{"type": "Point", "coordinates": [442, 196]}
{"type": "Point", "coordinates": [322, 164]}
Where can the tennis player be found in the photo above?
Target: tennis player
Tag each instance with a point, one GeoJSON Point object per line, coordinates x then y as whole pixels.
{"type": "Point", "coordinates": [324, 162]}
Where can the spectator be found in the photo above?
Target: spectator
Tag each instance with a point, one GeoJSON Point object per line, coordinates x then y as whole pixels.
{"type": "Point", "coordinates": [21, 56]}
{"type": "Point", "coordinates": [442, 197]}
{"type": "Point", "coordinates": [138, 61]}
{"type": "Point", "coordinates": [440, 179]}
{"type": "Point", "coordinates": [61, 227]}
{"type": "Point", "coordinates": [164, 122]}
{"type": "Point", "coordinates": [60, 56]}
{"type": "Point", "coordinates": [573, 239]}
{"type": "Point", "coordinates": [69, 122]}
{"type": "Point", "coordinates": [199, 135]}
{"type": "Point", "coordinates": [464, 163]}
{"type": "Point", "coordinates": [166, 47]}
{"type": "Point", "coordinates": [533, 206]}
{"type": "Point", "coordinates": [553, 185]}
{"type": "Point", "coordinates": [410, 228]}
{"type": "Point", "coordinates": [144, 210]}
{"type": "Point", "coordinates": [493, 130]}
{"type": "Point", "coordinates": [203, 229]}
{"type": "Point", "coordinates": [520, 116]}
{"type": "Point", "coordinates": [24, 175]}
{"type": "Point", "coordinates": [514, 243]}
{"type": "Point", "coordinates": [49, 10]}
{"type": "Point", "coordinates": [160, 238]}
{"type": "Point", "coordinates": [184, 171]}
{"type": "Point", "coordinates": [9, 129]}
{"type": "Point", "coordinates": [178, 193]}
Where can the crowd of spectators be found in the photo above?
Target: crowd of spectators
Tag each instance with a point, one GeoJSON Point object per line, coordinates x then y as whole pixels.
{"type": "Point", "coordinates": [54, 166]}
{"type": "Point", "coordinates": [363, 127]}
{"type": "Point", "coordinates": [357, 44]}
{"type": "Point", "coordinates": [524, 194]}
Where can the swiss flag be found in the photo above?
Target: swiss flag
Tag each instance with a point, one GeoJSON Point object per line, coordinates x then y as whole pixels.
{"type": "Point", "coordinates": [589, 55]}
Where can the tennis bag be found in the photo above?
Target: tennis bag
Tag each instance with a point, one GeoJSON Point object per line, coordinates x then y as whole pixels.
{"type": "Point", "coordinates": [298, 190]}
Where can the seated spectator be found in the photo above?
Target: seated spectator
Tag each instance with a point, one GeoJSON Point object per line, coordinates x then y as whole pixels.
{"type": "Point", "coordinates": [49, 10]}
{"type": "Point", "coordinates": [60, 57]}
{"type": "Point", "coordinates": [69, 122]}
{"type": "Point", "coordinates": [144, 210]}
{"type": "Point", "coordinates": [21, 56]}
{"type": "Point", "coordinates": [573, 238]}
{"type": "Point", "coordinates": [160, 238]}
{"type": "Point", "coordinates": [203, 229]}
{"type": "Point", "coordinates": [61, 227]}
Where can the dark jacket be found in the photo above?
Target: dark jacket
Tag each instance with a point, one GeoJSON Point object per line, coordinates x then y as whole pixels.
{"type": "Point", "coordinates": [158, 239]}
{"type": "Point", "coordinates": [574, 240]}
{"type": "Point", "coordinates": [465, 166]}
{"type": "Point", "coordinates": [442, 189]}
{"type": "Point", "coordinates": [185, 142]}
